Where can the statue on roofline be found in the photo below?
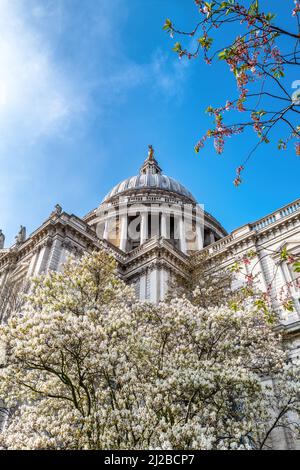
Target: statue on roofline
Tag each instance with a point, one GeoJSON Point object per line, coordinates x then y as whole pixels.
{"type": "Point", "coordinates": [57, 210]}
{"type": "Point", "coordinates": [21, 237]}
{"type": "Point", "coordinates": [2, 240]}
{"type": "Point", "coordinates": [150, 152]}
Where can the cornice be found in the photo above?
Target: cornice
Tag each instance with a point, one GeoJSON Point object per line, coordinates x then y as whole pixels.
{"type": "Point", "coordinates": [54, 226]}
{"type": "Point", "coordinates": [151, 265]}
{"type": "Point", "coordinates": [232, 242]}
{"type": "Point", "coordinates": [149, 195]}
{"type": "Point", "coordinates": [289, 329]}
{"type": "Point", "coordinates": [154, 252]}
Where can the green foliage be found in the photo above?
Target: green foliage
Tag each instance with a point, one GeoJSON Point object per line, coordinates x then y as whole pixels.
{"type": "Point", "coordinates": [254, 8]}
{"type": "Point", "coordinates": [278, 73]}
{"type": "Point", "coordinates": [205, 42]}
{"type": "Point", "coordinates": [251, 254]}
{"type": "Point", "coordinates": [209, 109]}
{"type": "Point", "coordinates": [223, 54]}
{"type": "Point", "coordinates": [236, 267]}
{"type": "Point", "coordinates": [168, 25]}
{"type": "Point", "coordinates": [259, 113]}
{"type": "Point", "coordinates": [262, 306]}
{"type": "Point", "coordinates": [284, 254]}
{"type": "Point", "coordinates": [177, 47]}
{"type": "Point", "coordinates": [296, 267]}
{"type": "Point", "coordinates": [270, 17]}
{"type": "Point", "coordinates": [288, 305]}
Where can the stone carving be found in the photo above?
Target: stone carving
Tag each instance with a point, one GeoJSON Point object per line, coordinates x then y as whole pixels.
{"type": "Point", "coordinates": [21, 237]}
{"type": "Point", "coordinates": [150, 152]}
{"type": "Point", "coordinates": [57, 210]}
{"type": "Point", "coordinates": [2, 240]}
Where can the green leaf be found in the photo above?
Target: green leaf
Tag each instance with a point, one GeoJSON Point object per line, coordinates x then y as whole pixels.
{"type": "Point", "coordinates": [234, 306]}
{"type": "Point", "coordinates": [205, 42]}
{"type": "Point", "coordinates": [168, 25]}
{"type": "Point", "coordinates": [278, 73]}
{"type": "Point", "coordinates": [251, 254]}
{"type": "Point", "coordinates": [270, 17]}
{"type": "Point", "coordinates": [284, 254]}
{"type": "Point", "coordinates": [223, 54]}
{"type": "Point", "coordinates": [296, 267]}
{"type": "Point", "coordinates": [236, 267]}
{"type": "Point", "coordinates": [177, 47]}
{"type": "Point", "coordinates": [253, 10]}
{"type": "Point", "coordinates": [209, 109]}
{"type": "Point", "coordinates": [289, 305]}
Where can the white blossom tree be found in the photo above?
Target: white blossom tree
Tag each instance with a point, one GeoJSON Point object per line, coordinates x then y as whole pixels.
{"type": "Point", "coordinates": [11, 297]}
{"type": "Point", "coordinates": [87, 366]}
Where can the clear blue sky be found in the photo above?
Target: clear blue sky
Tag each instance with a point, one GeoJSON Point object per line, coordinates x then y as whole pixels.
{"type": "Point", "coordinates": [86, 85]}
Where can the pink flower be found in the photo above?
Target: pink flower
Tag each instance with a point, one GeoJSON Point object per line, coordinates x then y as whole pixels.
{"type": "Point", "coordinates": [237, 181]}
{"type": "Point", "coordinates": [296, 10]}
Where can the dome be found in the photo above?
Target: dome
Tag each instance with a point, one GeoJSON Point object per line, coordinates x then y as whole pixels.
{"type": "Point", "coordinates": [150, 178]}
{"type": "Point", "coordinates": [150, 181]}
{"type": "Point", "coordinates": [128, 223]}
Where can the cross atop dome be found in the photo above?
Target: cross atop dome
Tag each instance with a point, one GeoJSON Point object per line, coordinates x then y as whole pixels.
{"type": "Point", "coordinates": [150, 165]}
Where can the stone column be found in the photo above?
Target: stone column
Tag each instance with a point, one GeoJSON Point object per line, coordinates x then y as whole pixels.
{"type": "Point", "coordinates": [182, 234]}
{"type": "Point", "coordinates": [142, 294]}
{"type": "Point", "coordinates": [42, 259]}
{"type": "Point", "coordinates": [199, 235]}
{"type": "Point", "coordinates": [211, 237]}
{"type": "Point", "coordinates": [163, 227]}
{"type": "Point", "coordinates": [144, 227]}
{"type": "Point", "coordinates": [163, 283]}
{"type": "Point", "coordinates": [32, 265]}
{"type": "Point", "coordinates": [105, 233]}
{"type": "Point", "coordinates": [154, 285]}
{"type": "Point", "coordinates": [54, 257]}
{"type": "Point", "coordinates": [123, 234]}
{"type": "Point", "coordinates": [199, 220]}
{"type": "Point", "coordinates": [3, 277]}
{"type": "Point", "coordinates": [262, 272]}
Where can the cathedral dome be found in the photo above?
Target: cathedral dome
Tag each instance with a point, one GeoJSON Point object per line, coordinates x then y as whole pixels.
{"type": "Point", "coordinates": [150, 178]}
{"type": "Point", "coordinates": [154, 205]}
{"type": "Point", "coordinates": [149, 181]}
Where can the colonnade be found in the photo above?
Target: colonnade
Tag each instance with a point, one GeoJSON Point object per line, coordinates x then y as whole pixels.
{"type": "Point", "coordinates": [163, 229]}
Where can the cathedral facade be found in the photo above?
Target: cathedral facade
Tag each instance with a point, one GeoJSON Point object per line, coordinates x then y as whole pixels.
{"type": "Point", "coordinates": [155, 229]}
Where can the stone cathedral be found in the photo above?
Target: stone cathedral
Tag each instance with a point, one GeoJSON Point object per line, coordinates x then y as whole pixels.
{"type": "Point", "coordinates": [154, 227]}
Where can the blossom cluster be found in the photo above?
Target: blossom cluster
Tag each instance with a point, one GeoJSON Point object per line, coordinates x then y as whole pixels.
{"type": "Point", "coordinates": [87, 366]}
{"type": "Point", "coordinates": [257, 63]}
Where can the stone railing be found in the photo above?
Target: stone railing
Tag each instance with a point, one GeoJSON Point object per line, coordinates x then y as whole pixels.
{"type": "Point", "coordinates": [136, 251]}
{"type": "Point", "coordinates": [279, 214]}
{"type": "Point", "coordinates": [260, 224]}
{"type": "Point", "coordinates": [290, 209]}
{"type": "Point", "coordinates": [220, 244]}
